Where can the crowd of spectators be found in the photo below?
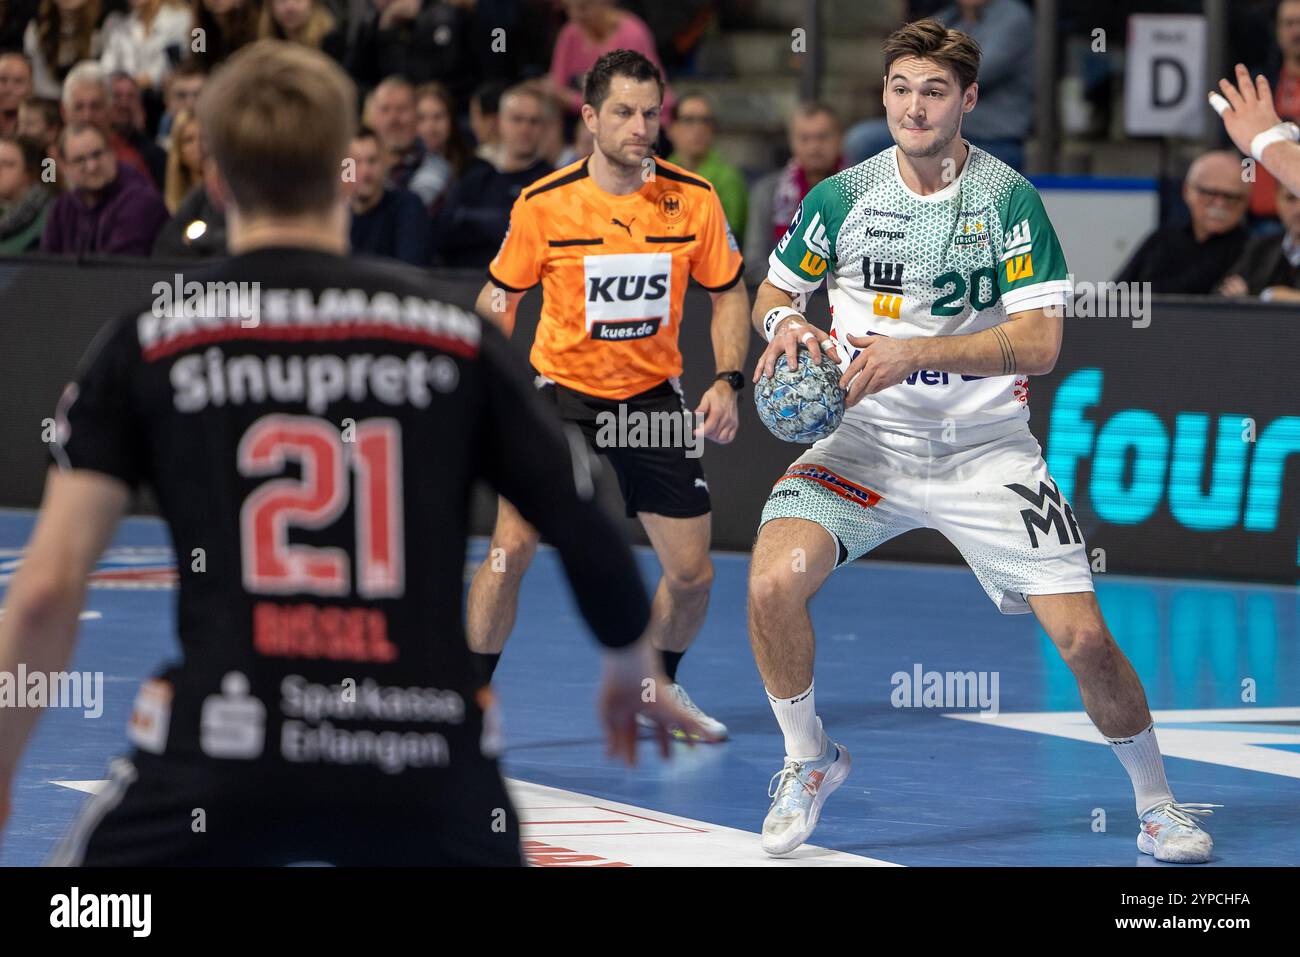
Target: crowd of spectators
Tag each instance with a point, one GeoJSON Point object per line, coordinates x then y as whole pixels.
{"type": "Point", "coordinates": [467, 102]}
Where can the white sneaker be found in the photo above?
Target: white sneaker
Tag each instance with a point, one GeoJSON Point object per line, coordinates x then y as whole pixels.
{"type": "Point", "coordinates": [712, 725]}
{"type": "Point", "coordinates": [1170, 833]}
{"type": "Point", "coordinates": [798, 792]}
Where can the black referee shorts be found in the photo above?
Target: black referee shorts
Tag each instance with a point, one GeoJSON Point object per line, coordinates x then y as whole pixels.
{"type": "Point", "coordinates": [158, 812]}
{"type": "Point", "coordinates": [660, 477]}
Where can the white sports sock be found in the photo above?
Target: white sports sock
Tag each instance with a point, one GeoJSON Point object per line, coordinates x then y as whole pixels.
{"type": "Point", "coordinates": [799, 723]}
{"type": "Point", "coordinates": [1141, 758]}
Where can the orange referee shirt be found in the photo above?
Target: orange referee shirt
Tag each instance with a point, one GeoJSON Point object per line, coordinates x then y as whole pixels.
{"type": "Point", "coordinates": [614, 271]}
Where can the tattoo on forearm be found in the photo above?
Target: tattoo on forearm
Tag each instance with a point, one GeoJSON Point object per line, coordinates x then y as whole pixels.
{"type": "Point", "coordinates": [1008, 353]}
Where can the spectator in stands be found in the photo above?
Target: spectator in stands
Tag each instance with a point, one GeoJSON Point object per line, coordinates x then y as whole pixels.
{"type": "Point", "coordinates": [185, 161]}
{"type": "Point", "coordinates": [1269, 266]}
{"type": "Point", "coordinates": [815, 139]}
{"type": "Point", "coordinates": [435, 124]}
{"type": "Point", "coordinates": [14, 17]}
{"type": "Point", "coordinates": [86, 95]}
{"type": "Point", "coordinates": [468, 231]}
{"type": "Point", "coordinates": [227, 25]}
{"type": "Point", "coordinates": [64, 33]}
{"type": "Point", "coordinates": [554, 148]}
{"type": "Point", "coordinates": [24, 199]}
{"type": "Point", "coordinates": [147, 42]}
{"type": "Point", "coordinates": [390, 112]}
{"type": "Point", "coordinates": [385, 222]}
{"type": "Point", "coordinates": [308, 22]}
{"type": "Point", "coordinates": [595, 28]}
{"type": "Point", "coordinates": [999, 124]}
{"type": "Point", "coordinates": [198, 228]}
{"type": "Point", "coordinates": [126, 116]}
{"type": "Point", "coordinates": [15, 86]}
{"type": "Point", "coordinates": [422, 40]}
{"type": "Point", "coordinates": [1192, 259]}
{"type": "Point", "coordinates": [42, 120]}
{"type": "Point", "coordinates": [484, 116]}
{"type": "Point", "coordinates": [692, 130]}
{"type": "Point", "coordinates": [108, 208]}
{"type": "Point", "coordinates": [181, 92]}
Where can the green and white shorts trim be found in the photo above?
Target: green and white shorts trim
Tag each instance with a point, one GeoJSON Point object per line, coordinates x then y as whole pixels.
{"type": "Point", "coordinates": [995, 501]}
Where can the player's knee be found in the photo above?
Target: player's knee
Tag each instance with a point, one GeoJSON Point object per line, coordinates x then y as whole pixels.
{"type": "Point", "coordinates": [773, 589]}
{"type": "Point", "coordinates": [692, 580]}
{"type": "Point", "coordinates": [512, 552]}
{"type": "Point", "coordinates": [1086, 644]}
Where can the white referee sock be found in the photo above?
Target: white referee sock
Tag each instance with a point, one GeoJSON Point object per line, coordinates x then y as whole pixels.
{"type": "Point", "coordinates": [797, 717]}
{"type": "Point", "coordinates": [1141, 758]}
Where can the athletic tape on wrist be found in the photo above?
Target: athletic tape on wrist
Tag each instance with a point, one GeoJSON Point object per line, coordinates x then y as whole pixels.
{"type": "Point", "coordinates": [774, 317]}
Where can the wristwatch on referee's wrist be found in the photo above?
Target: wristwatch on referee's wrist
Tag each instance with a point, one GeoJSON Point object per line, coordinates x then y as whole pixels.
{"type": "Point", "coordinates": [734, 379]}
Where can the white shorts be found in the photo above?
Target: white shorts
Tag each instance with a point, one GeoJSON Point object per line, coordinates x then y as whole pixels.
{"type": "Point", "coordinates": [994, 501]}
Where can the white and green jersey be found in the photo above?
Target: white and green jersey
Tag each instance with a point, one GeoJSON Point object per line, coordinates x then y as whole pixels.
{"type": "Point", "coordinates": [952, 263]}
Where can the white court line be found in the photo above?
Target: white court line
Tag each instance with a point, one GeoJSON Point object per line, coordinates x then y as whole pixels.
{"type": "Point", "coordinates": [567, 829]}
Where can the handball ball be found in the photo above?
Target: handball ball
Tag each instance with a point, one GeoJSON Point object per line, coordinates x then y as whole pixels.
{"type": "Point", "coordinates": [802, 405]}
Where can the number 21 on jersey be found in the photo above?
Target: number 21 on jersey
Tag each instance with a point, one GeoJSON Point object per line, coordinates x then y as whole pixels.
{"type": "Point", "coordinates": [316, 500]}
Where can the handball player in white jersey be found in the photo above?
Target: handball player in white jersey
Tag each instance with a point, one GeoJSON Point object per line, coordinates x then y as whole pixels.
{"type": "Point", "coordinates": [945, 280]}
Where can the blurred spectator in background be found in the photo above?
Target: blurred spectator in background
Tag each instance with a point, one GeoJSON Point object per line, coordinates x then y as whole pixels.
{"type": "Point", "coordinates": [1269, 266]}
{"type": "Point", "coordinates": [86, 96]}
{"type": "Point", "coordinates": [1192, 259]}
{"type": "Point", "coordinates": [185, 161]}
{"type": "Point", "coordinates": [554, 148]}
{"type": "Point", "coordinates": [126, 116]}
{"type": "Point", "coordinates": [484, 109]}
{"type": "Point", "coordinates": [816, 139]}
{"type": "Point", "coordinates": [421, 40]}
{"type": "Point", "coordinates": [473, 221]}
{"type": "Point", "coordinates": [308, 22]}
{"type": "Point", "coordinates": [108, 208]}
{"type": "Point", "coordinates": [64, 33]}
{"type": "Point", "coordinates": [226, 26]}
{"type": "Point", "coordinates": [147, 42]}
{"type": "Point", "coordinates": [15, 86]}
{"type": "Point", "coordinates": [385, 222]}
{"type": "Point", "coordinates": [42, 120]}
{"type": "Point", "coordinates": [676, 27]}
{"type": "Point", "coordinates": [999, 124]}
{"type": "Point", "coordinates": [595, 28]}
{"type": "Point", "coordinates": [1286, 100]}
{"type": "Point", "coordinates": [14, 17]}
{"type": "Point", "coordinates": [390, 112]}
{"type": "Point", "coordinates": [24, 199]}
{"type": "Point", "coordinates": [436, 126]}
{"type": "Point", "coordinates": [692, 131]}
{"type": "Point", "coordinates": [181, 92]}
{"type": "Point", "coordinates": [198, 227]}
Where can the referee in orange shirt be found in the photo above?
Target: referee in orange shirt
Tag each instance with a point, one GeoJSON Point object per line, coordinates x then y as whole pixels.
{"type": "Point", "coordinates": [614, 240]}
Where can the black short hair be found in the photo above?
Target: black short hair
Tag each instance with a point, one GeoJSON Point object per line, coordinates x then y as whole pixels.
{"type": "Point", "coordinates": [365, 133]}
{"type": "Point", "coordinates": [488, 97]}
{"type": "Point", "coordinates": [627, 63]}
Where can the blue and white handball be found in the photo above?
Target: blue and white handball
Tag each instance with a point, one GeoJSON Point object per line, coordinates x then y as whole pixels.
{"type": "Point", "coordinates": [802, 405]}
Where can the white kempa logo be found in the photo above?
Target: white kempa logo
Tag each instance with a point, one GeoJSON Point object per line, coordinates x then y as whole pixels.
{"type": "Point", "coordinates": [75, 909]}
{"type": "Point", "coordinates": [233, 723]}
{"type": "Point", "coordinates": [1016, 241]}
{"type": "Point", "coordinates": [814, 237]}
{"type": "Point", "coordinates": [628, 286]}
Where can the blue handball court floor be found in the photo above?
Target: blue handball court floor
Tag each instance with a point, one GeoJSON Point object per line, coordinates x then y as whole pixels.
{"type": "Point", "coordinates": [1028, 783]}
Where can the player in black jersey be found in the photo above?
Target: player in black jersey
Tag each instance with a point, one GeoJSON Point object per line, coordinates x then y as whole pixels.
{"type": "Point", "coordinates": [314, 424]}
